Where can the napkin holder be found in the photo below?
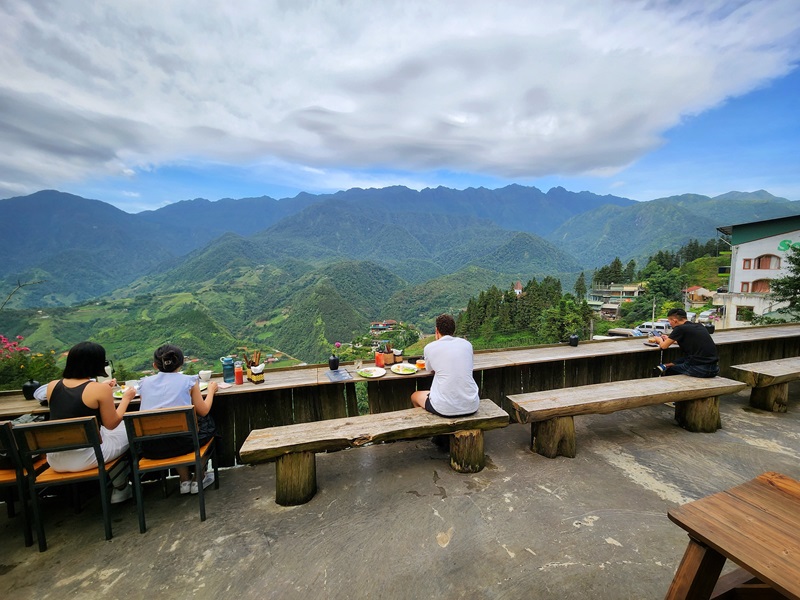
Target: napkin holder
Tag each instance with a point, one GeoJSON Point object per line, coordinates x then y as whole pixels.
{"type": "Point", "coordinates": [255, 373]}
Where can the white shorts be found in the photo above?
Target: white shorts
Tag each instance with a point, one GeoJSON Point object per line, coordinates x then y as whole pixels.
{"type": "Point", "coordinates": [115, 443]}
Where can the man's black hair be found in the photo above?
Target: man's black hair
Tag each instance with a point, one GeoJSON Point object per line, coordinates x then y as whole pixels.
{"type": "Point", "coordinates": [446, 324]}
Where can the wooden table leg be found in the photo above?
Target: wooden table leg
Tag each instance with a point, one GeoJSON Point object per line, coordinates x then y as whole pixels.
{"type": "Point", "coordinates": [697, 574]}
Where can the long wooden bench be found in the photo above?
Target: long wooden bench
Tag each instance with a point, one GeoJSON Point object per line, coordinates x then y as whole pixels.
{"type": "Point", "coordinates": [770, 381]}
{"type": "Point", "coordinates": [294, 447]}
{"type": "Point", "coordinates": [551, 412]}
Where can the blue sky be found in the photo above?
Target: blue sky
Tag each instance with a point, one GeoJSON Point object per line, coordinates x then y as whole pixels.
{"type": "Point", "coordinates": [142, 108]}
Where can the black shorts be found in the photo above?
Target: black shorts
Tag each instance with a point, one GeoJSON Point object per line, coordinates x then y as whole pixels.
{"type": "Point", "coordinates": [430, 409]}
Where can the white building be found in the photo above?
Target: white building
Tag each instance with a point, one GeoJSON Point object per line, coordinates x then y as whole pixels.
{"type": "Point", "coordinates": [758, 252]}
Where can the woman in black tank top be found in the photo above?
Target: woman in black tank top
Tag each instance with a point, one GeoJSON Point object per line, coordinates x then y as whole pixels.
{"type": "Point", "coordinates": [78, 395]}
{"type": "Point", "coordinates": [67, 402]}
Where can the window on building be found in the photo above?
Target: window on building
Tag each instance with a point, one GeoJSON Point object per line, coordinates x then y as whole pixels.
{"type": "Point", "coordinates": [746, 263]}
{"type": "Point", "coordinates": [744, 313]}
{"type": "Point", "coordinates": [760, 286]}
{"type": "Point", "coordinates": [767, 261]}
{"type": "Point", "coordinates": [745, 287]}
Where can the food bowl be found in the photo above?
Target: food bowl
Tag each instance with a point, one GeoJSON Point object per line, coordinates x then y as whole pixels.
{"type": "Point", "coordinates": [205, 375]}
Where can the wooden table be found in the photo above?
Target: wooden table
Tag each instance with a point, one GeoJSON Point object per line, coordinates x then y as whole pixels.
{"type": "Point", "coordinates": [304, 393]}
{"type": "Point", "coordinates": [756, 525]}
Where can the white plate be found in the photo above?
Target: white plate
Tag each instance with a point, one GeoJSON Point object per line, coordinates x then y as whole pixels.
{"type": "Point", "coordinates": [118, 394]}
{"type": "Point", "coordinates": [404, 369]}
{"type": "Point", "coordinates": [371, 372]}
{"type": "Point", "coordinates": [203, 386]}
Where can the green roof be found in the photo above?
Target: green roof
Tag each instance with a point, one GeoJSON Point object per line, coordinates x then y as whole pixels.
{"type": "Point", "coordinates": [757, 230]}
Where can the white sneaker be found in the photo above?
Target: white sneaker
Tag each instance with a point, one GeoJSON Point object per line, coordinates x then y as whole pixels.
{"type": "Point", "coordinates": [207, 481]}
{"type": "Point", "coordinates": [186, 487]}
{"type": "Point", "coordinates": [118, 496]}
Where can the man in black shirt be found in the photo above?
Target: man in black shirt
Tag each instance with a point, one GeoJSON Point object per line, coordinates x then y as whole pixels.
{"type": "Point", "coordinates": [701, 358]}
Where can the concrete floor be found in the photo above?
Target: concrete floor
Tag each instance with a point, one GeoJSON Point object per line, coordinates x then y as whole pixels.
{"type": "Point", "coordinates": [394, 521]}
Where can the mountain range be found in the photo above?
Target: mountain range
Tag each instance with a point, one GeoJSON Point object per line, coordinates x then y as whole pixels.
{"type": "Point", "coordinates": [320, 267]}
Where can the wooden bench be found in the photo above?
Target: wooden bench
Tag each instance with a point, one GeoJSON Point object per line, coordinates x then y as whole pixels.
{"type": "Point", "coordinates": [294, 447]}
{"type": "Point", "coordinates": [770, 381]}
{"type": "Point", "coordinates": [551, 412]}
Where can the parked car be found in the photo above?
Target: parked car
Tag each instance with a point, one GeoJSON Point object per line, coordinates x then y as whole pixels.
{"type": "Point", "coordinates": [708, 316]}
{"type": "Point", "coordinates": [648, 327]}
{"type": "Point", "coordinates": [618, 332]}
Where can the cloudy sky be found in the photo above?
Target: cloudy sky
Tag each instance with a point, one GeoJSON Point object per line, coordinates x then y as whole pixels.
{"type": "Point", "coordinates": [142, 103]}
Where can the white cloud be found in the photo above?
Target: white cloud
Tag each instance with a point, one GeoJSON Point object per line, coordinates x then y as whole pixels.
{"type": "Point", "coordinates": [514, 89]}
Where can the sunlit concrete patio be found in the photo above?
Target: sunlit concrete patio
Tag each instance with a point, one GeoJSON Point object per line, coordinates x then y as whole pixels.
{"type": "Point", "coordinates": [394, 521]}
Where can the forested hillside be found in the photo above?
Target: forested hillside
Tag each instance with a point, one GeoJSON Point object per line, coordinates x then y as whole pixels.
{"type": "Point", "coordinates": [325, 266]}
{"type": "Point", "coordinates": [540, 314]}
{"type": "Point", "coordinates": [84, 249]}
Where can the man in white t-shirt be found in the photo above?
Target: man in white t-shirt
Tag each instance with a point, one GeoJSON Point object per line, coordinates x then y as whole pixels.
{"type": "Point", "coordinates": [453, 392]}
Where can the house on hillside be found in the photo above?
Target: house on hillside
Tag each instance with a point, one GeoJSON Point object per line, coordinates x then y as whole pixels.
{"type": "Point", "coordinates": [518, 288]}
{"type": "Point", "coordinates": [698, 296]}
{"type": "Point", "coordinates": [607, 299]}
{"type": "Point", "coordinates": [758, 251]}
{"type": "Point", "coordinates": [378, 327]}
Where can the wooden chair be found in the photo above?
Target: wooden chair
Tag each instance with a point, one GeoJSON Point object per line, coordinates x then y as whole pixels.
{"type": "Point", "coordinates": [164, 423]}
{"type": "Point", "coordinates": [58, 436]}
{"type": "Point", "coordinates": [12, 479]}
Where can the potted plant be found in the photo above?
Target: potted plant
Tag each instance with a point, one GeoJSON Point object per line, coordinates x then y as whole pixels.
{"type": "Point", "coordinates": [333, 360]}
{"type": "Point", "coordinates": [711, 324]}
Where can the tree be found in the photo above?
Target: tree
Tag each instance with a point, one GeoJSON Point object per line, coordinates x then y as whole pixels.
{"type": "Point", "coordinates": [787, 289]}
{"type": "Point", "coordinates": [630, 271]}
{"type": "Point", "coordinates": [615, 273]}
{"type": "Point", "coordinates": [580, 286]}
{"type": "Point", "coordinates": [20, 285]}
{"type": "Point", "coordinates": [665, 285]}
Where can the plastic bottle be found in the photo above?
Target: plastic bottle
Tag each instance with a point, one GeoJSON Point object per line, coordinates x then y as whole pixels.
{"type": "Point", "coordinates": [227, 369]}
{"type": "Point", "coordinates": [238, 373]}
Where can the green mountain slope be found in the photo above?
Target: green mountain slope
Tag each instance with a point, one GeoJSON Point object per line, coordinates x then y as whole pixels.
{"type": "Point", "coordinates": [129, 329]}
{"type": "Point", "coordinates": [638, 231]}
{"type": "Point", "coordinates": [82, 249]}
{"type": "Point", "coordinates": [420, 304]}
{"type": "Point", "coordinates": [317, 317]}
{"type": "Point", "coordinates": [526, 254]}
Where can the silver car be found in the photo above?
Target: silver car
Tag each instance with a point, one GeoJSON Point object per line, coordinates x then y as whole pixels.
{"type": "Point", "coordinates": [707, 316]}
{"type": "Point", "coordinates": [649, 327]}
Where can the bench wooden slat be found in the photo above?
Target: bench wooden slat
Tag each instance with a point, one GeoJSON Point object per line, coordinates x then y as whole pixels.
{"type": "Point", "coordinates": [264, 445]}
{"type": "Point", "coordinates": [770, 372]}
{"type": "Point", "coordinates": [605, 398]}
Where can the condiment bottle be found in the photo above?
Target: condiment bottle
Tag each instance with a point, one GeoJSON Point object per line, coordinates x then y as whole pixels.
{"type": "Point", "coordinates": [238, 373]}
{"type": "Point", "coordinates": [379, 358]}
